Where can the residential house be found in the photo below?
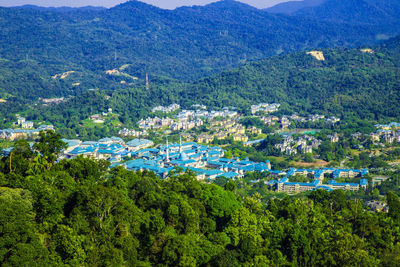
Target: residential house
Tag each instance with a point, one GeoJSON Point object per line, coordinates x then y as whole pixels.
{"type": "Point", "coordinates": [254, 130]}
{"type": "Point", "coordinates": [205, 138]}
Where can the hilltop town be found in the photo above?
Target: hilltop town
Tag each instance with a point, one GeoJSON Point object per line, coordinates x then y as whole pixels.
{"type": "Point", "coordinates": [203, 141]}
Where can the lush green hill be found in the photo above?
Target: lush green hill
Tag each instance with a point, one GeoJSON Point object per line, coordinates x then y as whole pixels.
{"type": "Point", "coordinates": [61, 9]}
{"type": "Point", "coordinates": [291, 7]}
{"type": "Point", "coordinates": [353, 12]}
{"type": "Point", "coordinates": [371, 12]}
{"type": "Point", "coordinates": [348, 83]}
{"type": "Point", "coordinates": [185, 43]}
{"type": "Point", "coordinates": [78, 212]}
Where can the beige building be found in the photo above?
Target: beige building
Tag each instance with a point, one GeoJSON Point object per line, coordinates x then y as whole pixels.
{"type": "Point", "coordinates": [254, 130]}
{"type": "Point", "coordinates": [240, 138]}
{"type": "Point", "coordinates": [205, 138]}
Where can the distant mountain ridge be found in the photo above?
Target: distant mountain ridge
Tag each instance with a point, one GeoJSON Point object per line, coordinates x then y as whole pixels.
{"type": "Point", "coordinates": [291, 7]}
{"type": "Point", "coordinates": [185, 43]}
{"type": "Point", "coordinates": [61, 9]}
{"type": "Point", "coordinates": [358, 83]}
{"type": "Point", "coordinates": [373, 12]}
{"type": "Point", "coordinates": [359, 12]}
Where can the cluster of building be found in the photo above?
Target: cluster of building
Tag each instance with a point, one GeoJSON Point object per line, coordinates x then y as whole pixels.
{"type": "Point", "coordinates": [314, 117]}
{"type": "Point", "coordinates": [139, 154]}
{"type": "Point", "coordinates": [99, 118]}
{"type": "Point", "coordinates": [390, 126]}
{"type": "Point", "coordinates": [379, 206]}
{"type": "Point", "coordinates": [184, 120]}
{"type": "Point", "coordinates": [52, 100]}
{"type": "Point", "coordinates": [389, 133]}
{"type": "Point", "coordinates": [303, 144]}
{"type": "Point", "coordinates": [206, 162]}
{"type": "Point", "coordinates": [269, 120]}
{"type": "Point", "coordinates": [334, 138]}
{"type": "Point", "coordinates": [155, 123]}
{"type": "Point", "coordinates": [24, 124]}
{"type": "Point", "coordinates": [265, 108]}
{"type": "Point", "coordinates": [113, 149]}
{"type": "Point", "coordinates": [174, 125]}
{"type": "Point", "coordinates": [285, 121]}
{"type": "Point", "coordinates": [132, 133]}
{"type": "Point", "coordinates": [205, 115]}
{"type": "Point", "coordinates": [186, 125]}
{"type": "Point", "coordinates": [283, 184]}
{"type": "Point", "coordinates": [15, 134]}
{"type": "Point", "coordinates": [390, 136]}
{"type": "Point", "coordinates": [170, 108]}
{"type": "Point", "coordinates": [272, 120]}
{"type": "Point", "coordinates": [227, 128]}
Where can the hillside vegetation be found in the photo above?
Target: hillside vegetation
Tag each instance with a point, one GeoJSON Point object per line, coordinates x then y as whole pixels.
{"type": "Point", "coordinates": [367, 12]}
{"type": "Point", "coordinates": [186, 43]}
{"type": "Point", "coordinates": [355, 12]}
{"type": "Point", "coordinates": [347, 83]}
{"type": "Point", "coordinates": [77, 212]}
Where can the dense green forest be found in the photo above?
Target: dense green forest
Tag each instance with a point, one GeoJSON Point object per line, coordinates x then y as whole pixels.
{"type": "Point", "coordinates": [354, 12]}
{"type": "Point", "coordinates": [346, 82]}
{"type": "Point", "coordinates": [291, 7]}
{"type": "Point", "coordinates": [349, 84]}
{"type": "Point", "coordinates": [367, 12]}
{"type": "Point", "coordinates": [81, 212]}
{"type": "Point", "coordinates": [186, 43]}
{"type": "Point", "coordinates": [78, 212]}
{"type": "Point", "coordinates": [361, 12]}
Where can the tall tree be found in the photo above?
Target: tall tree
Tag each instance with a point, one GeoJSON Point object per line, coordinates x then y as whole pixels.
{"type": "Point", "coordinates": [394, 205]}
{"type": "Point", "coordinates": [50, 145]}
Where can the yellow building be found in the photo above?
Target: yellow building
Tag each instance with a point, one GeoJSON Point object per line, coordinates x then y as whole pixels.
{"type": "Point", "coordinates": [205, 138]}
{"type": "Point", "coordinates": [254, 130]}
{"type": "Point", "coordinates": [240, 138]}
{"type": "Point", "coordinates": [221, 135]}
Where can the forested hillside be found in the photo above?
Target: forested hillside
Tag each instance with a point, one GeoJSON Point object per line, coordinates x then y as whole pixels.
{"type": "Point", "coordinates": [349, 82]}
{"type": "Point", "coordinates": [186, 43]}
{"type": "Point", "coordinates": [291, 7]}
{"type": "Point", "coordinates": [359, 82]}
{"type": "Point", "coordinates": [77, 212]}
{"type": "Point", "coordinates": [78, 51]}
{"type": "Point", "coordinates": [354, 12]}
{"type": "Point", "coordinates": [372, 12]}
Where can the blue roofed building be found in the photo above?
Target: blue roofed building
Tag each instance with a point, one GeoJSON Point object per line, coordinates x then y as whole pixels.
{"type": "Point", "coordinates": [138, 144]}
{"type": "Point", "coordinates": [206, 162]}
{"type": "Point", "coordinates": [6, 151]}
{"type": "Point", "coordinates": [13, 134]}
{"type": "Point", "coordinates": [112, 140]}
{"type": "Point", "coordinates": [230, 175]}
{"type": "Point", "coordinates": [283, 184]}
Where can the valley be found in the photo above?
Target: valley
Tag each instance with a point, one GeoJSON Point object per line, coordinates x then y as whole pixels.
{"type": "Point", "coordinates": [207, 135]}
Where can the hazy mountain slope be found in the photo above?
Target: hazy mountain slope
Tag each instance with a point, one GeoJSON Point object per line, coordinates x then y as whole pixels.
{"type": "Point", "coordinates": [61, 9]}
{"type": "Point", "coordinates": [365, 84]}
{"type": "Point", "coordinates": [184, 43]}
{"type": "Point", "coordinates": [293, 6]}
{"type": "Point", "coordinates": [367, 12]}
{"type": "Point", "coordinates": [350, 82]}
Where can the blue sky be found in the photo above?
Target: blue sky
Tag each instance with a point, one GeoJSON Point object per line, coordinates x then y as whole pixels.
{"type": "Point", "coordinates": [170, 4]}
